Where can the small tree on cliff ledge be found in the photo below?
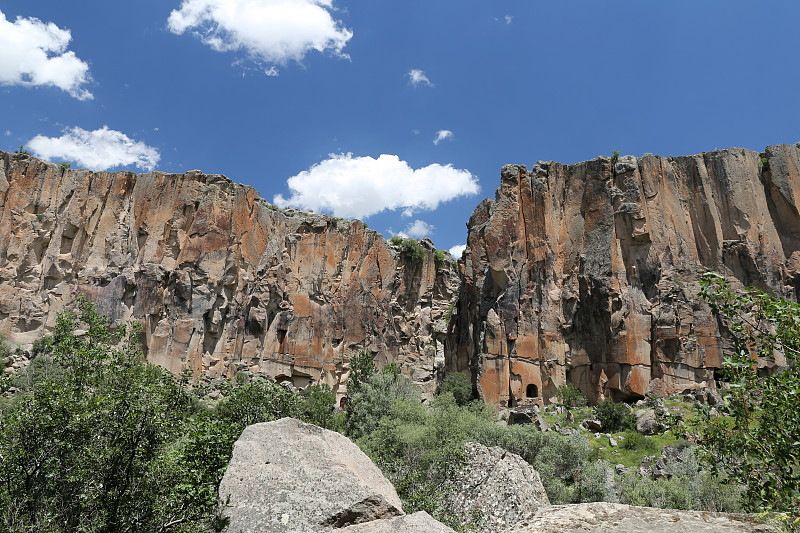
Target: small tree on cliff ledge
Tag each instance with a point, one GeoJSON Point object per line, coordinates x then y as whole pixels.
{"type": "Point", "coordinates": [759, 443]}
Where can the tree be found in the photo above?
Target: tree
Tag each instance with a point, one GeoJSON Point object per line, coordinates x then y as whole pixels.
{"type": "Point", "coordinates": [759, 442]}
{"type": "Point", "coordinates": [459, 385]}
{"type": "Point", "coordinates": [81, 448]}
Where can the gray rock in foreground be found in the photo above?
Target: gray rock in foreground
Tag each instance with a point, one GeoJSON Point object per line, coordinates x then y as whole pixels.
{"type": "Point", "coordinates": [604, 517]}
{"type": "Point", "coordinates": [420, 522]}
{"type": "Point", "coordinates": [288, 476]}
{"type": "Point", "coordinates": [499, 485]}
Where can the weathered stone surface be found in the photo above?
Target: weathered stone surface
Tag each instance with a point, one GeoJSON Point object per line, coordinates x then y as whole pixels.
{"type": "Point", "coordinates": [420, 522]}
{"type": "Point", "coordinates": [221, 280]}
{"type": "Point", "coordinates": [588, 273]}
{"type": "Point", "coordinates": [291, 476]}
{"type": "Point", "coordinates": [601, 517]}
{"type": "Point", "coordinates": [647, 423]}
{"type": "Point", "coordinates": [501, 485]}
{"type": "Point", "coordinates": [528, 414]}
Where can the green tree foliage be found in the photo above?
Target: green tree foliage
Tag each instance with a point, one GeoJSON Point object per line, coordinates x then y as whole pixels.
{"type": "Point", "coordinates": [77, 450]}
{"type": "Point", "coordinates": [759, 442]}
{"type": "Point", "coordinates": [570, 396]}
{"type": "Point", "coordinates": [410, 249]}
{"type": "Point", "coordinates": [373, 398]}
{"type": "Point", "coordinates": [614, 416]}
{"type": "Point", "coordinates": [459, 385]}
{"type": "Point", "coordinates": [98, 440]}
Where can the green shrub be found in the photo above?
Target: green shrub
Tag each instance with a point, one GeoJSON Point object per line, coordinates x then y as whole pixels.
{"type": "Point", "coordinates": [459, 385]}
{"type": "Point", "coordinates": [42, 346]}
{"type": "Point", "coordinates": [373, 400]}
{"type": "Point", "coordinates": [439, 257]}
{"type": "Point", "coordinates": [410, 249]}
{"type": "Point", "coordinates": [637, 441]}
{"type": "Point", "coordinates": [317, 405]}
{"type": "Point", "coordinates": [571, 396]}
{"type": "Point", "coordinates": [614, 416]}
{"type": "Point", "coordinates": [260, 400]}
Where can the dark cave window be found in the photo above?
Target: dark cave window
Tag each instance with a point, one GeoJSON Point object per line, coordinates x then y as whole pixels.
{"type": "Point", "coordinates": [532, 391]}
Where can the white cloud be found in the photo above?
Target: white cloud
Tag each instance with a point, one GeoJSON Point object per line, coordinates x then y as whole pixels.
{"type": "Point", "coordinates": [274, 31]}
{"type": "Point", "coordinates": [98, 150]}
{"type": "Point", "coordinates": [8, 133]}
{"type": "Point", "coordinates": [35, 53]}
{"type": "Point", "coordinates": [442, 135]}
{"type": "Point", "coordinates": [418, 77]}
{"type": "Point", "coordinates": [359, 187]}
{"type": "Point", "coordinates": [419, 229]}
{"type": "Point", "coordinates": [272, 72]}
{"type": "Point", "coordinates": [509, 18]}
{"type": "Point", "coordinates": [457, 250]}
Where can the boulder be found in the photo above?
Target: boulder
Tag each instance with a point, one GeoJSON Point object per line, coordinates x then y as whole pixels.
{"type": "Point", "coordinates": [647, 423]}
{"type": "Point", "coordinates": [288, 476]}
{"type": "Point", "coordinates": [601, 517]}
{"type": "Point", "coordinates": [528, 414]}
{"type": "Point", "coordinates": [499, 485]}
{"type": "Point", "coordinates": [420, 522]}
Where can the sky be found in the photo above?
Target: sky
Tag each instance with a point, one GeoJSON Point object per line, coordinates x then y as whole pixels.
{"type": "Point", "coordinates": [398, 113]}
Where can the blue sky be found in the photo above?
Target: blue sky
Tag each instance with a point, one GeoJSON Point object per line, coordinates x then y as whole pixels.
{"type": "Point", "coordinates": [400, 113]}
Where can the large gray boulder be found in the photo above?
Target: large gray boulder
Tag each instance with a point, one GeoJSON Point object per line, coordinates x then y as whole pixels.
{"type": "Point", "coordinates": [420, 522]}
{"type": "Point", "coordinates": [601, 517]}
{"type": "Point", "coordinates": [288, 476]}
{"type": "Point", "coordinates": [497, 485]}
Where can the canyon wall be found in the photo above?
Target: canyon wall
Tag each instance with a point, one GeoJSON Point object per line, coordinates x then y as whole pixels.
{"type": "Point", "coordinates": [588, 273]}
{"type": "Point", "coordinates": [220, 280]}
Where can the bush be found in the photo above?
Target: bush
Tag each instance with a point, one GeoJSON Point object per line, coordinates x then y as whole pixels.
{"type": "Point", "coordinates": [260, 400]}
{"type": "Point", "coordinates": [637, 441]}
{"type": "Point", "coordinates": [373, 400]}
{"type": "Point", "coordinates": [410, 249]}
{"type": "Point", "coordinates": [614, 416]}
{"type": "Point", "coordinates": [5, 348]}
{"type": "Point", "coordinates": [459, 385]}
{"type": "Point", "coordinates": [571, 396]}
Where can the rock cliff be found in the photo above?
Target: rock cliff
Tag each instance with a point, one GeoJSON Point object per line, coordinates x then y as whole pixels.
{"type": "Point", "coordinates": [588, 273]}
{"type": "Point", "coordinates": [220, 279]}
{"type": "Point", "coordinates": [583, 274]}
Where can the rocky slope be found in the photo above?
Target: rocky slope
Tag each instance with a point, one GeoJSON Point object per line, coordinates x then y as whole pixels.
{"type": "Point", "coordinates": [588, 273]}
{"type": "Point", "coordinates": [220, 280]}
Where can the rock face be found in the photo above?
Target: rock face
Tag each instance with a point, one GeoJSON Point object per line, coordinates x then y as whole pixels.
{"type": "Point", "coordinates": [420, 522]}
{"type": "Point", "coordinates": [587, 274]}
{"type": "Point", "coordinates": [221, 280]}
{"type": "Point", "coordinates": [499, 485]}
{"type": "Point", "coordinates": [291, 476]}
{"type": "Point", "coordinates": [603, 517]}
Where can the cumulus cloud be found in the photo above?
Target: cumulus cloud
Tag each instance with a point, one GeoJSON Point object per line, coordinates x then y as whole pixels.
{"type": "Point", "coordinates": [35, 53]}
{"type": "Point", "coordinates": [359, 187]}
{"type": "Point", "coordinates": [98, 150]}
{"type": "Point", "coordinates": [442, 135]}
{"type": "Point", "coordinates": [274, 31]}
{"type": "Point", "coordinates": [457, 250]}
{"type": "Point", "coordinates": [419, 229]}
{"type": "Point", "coordinates": [418, 77]}
{"type": "Point", "coordinates": [509, 18]}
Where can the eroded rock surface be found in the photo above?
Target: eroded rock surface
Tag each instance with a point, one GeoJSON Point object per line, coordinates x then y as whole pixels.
{"type": "Point", "coordinates": [588, 273]}
{"type": "Point", "coordinates": [221, 280]}
{"type": "Point", "coordinates": [290, 476]}
{"type": "Point", "coordinates": [497, 485]}
{"type": "Point", "coordinates": [601, 517]}
{"type": "Point", "coordinates": [420, 522]}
